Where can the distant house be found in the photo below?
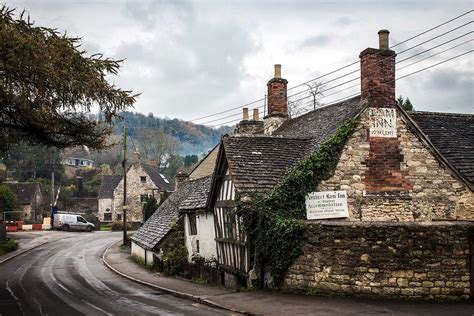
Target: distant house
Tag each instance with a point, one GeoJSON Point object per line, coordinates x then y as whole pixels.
{"type": "Point", "coordinates": [78, 156]}
{"type": "Point", "coordinates": [30, 198]}
{"type": "Point", "coordinates": [142, 180]}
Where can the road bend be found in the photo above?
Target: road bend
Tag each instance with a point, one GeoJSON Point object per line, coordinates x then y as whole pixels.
{"type": "Point", "coordinates": [67, 277]}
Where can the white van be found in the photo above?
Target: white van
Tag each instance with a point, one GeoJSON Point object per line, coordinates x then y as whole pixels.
{"type": "Point", "coordinates": [72, 222]}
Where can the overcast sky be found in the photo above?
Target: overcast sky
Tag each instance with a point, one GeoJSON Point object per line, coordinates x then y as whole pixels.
{"type": "Point", "coordinates": [191, 59]}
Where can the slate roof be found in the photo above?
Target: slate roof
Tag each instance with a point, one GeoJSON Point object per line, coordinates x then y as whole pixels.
{"type": "Point", "coordinates": [155, 175]}
{"type": "Point", "coordinates": [453, 137]}
{"type": "Point", "coordinates": [257, 162]}
{"type": "Point", "coordinates": [24, 191]}
{"type": "Point", "coordinates": [321, 123]}
{"type": "Point", "coordinates": [158, 225]}
{"type": "Point", "coordinates": [108, 185]}
{"type": "Point", "coordinates": [197, 198]}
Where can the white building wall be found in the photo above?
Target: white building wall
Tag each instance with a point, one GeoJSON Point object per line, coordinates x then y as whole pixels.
{"type": "Point", "coordinates": [205, 235]}
{"type": "Point", "coordinates": [142, 253]}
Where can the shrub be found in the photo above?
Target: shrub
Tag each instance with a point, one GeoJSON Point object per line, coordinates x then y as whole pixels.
{"type": "Point", "coordinates": [8, 246]}
{"type": "Point", "coordinates": [118, 225]}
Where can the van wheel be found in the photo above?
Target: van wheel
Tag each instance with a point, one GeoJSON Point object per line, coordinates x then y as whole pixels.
{"type": "Point", "coordinates": [65, 227]}
{"type": "Point", "coordinates": [89, 228]}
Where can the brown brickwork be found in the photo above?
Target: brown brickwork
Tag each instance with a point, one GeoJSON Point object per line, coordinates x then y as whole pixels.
{"type": "Point", "coordinates": [377, 73]}
{"type": "Point", "coordinates": [383, 166]}
{"type": "Point", "coordinates": [277, 96]}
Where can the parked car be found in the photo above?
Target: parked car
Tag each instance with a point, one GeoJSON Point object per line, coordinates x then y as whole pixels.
{"type": "Point", "coordinates": [72, 222]}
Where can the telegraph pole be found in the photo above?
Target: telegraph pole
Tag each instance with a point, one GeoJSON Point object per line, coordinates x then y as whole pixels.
{"type": "Point", "coordinates": [124, 164]}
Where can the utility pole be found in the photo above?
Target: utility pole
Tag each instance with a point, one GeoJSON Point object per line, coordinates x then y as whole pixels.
{"type": "Point", "coordinates": [124, 164]}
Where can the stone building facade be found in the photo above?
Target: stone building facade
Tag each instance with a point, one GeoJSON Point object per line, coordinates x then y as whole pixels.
{"type": "Point", "coordinates": [142, 180]}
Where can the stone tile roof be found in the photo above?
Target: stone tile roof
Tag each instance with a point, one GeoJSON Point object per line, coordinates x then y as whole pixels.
{"type": "Point", "coordinates": [198, 195]}
{"type": "Point", "coordinates": [453, 137]}
{"type": "Point", "coordinates": [257, 163]}
{"type": "Point", "coordinates": [108, 185]}
{"type": "Point", "coordinates": [321, 123]}
{"type": "Point", "coordinates": [155, 175]}
{"type": "Point", "coordinates": [24, 191]}
{"type": "Point", "coordinates": [158, 225]}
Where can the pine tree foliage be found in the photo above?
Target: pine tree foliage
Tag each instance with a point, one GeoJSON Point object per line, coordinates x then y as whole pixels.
{"type": "Point", "coordinates": [48, 84]}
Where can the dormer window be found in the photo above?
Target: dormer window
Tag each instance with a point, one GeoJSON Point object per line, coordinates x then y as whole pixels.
{"type": "Point", "coordinates": [143, 179]}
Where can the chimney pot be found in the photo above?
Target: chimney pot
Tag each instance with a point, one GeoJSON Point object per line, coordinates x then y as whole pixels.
{"type": "Point", "coordinates": [383, 39]}
{"type": "Point", "coordinates": [277, 71]}
{"type": "Point", "coordinates": [136, 157]}
{"type": "Point", "coordinates": [245, 114]}
{"type": "Point", "coordinates": [255, 115]}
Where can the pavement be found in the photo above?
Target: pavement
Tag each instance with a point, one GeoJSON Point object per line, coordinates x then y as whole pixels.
{"type": "Point", "coordinates": [272, 303]}
{"type": "Point", "coordinates": [29, 240]}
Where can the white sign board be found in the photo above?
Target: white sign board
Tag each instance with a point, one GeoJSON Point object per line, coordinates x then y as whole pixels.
{"type": "Point", "coordinates": [383, 122]}
{"type": "Point", "coordinates": [327, 204]}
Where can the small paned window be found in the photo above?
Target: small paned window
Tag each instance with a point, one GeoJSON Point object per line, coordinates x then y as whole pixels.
{"type": "Point", "coordinates": [119, 217]}
{"type": "Point", "coordinates": [143, 179]}
{"type": "Point", "coordinates": [143, 198]}
{"type": "Point", "coordinates": [107, 216]}
{"type": "Point", "coordinates": [192, 224]}
{"type": "Point", "coordinates": [197, 246]}
{"type": "Point", "coordinates": [230, 225]}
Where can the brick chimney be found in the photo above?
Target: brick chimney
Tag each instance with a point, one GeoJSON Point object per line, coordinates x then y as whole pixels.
{"type": "Point", "coordinates": [180, 178]}
{"type": "Point", "coordinates": [246, 126]}
{"type": "Point", "coordinates": [377, 73]}
{"type": "Point", "coordinates": [277, 102]}
{"type": "Point", "coordinates": [383, 172]}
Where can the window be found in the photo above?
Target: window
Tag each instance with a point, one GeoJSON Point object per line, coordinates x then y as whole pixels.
{"type": "Point", "coordinates": [107, 216]}
{"type": "Point", "coordinates": [192, 224]}
{"type": "Point", "coordinates": [143, 179]}
{"type": "Point", "coordinates": [197, 246]}
{"type": "Point", "coordinates": [81, 220]}
{"type": "Point", "coordinates": [143, 198]}
{"type": "Point", "coordinates": [119, 217]}
{"type": "Point", "coordinates": [230, 227]}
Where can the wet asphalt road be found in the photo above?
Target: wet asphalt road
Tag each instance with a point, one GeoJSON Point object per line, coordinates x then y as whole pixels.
{"type": "Point", "coordinates": [67, 277]}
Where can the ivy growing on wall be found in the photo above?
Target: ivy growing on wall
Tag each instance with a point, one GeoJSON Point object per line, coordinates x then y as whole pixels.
{"type": "Point", "coordinates": [274, 222]}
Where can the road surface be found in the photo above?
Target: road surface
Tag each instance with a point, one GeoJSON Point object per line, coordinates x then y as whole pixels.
{"type": "Point", "coordinates": [67, 277]}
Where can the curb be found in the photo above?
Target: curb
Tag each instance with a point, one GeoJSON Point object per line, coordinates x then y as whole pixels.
{"type": "Point", "coordinates": [194, 298]}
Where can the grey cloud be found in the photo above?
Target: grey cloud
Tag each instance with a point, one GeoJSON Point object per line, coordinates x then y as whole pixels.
{"type": "Point", "coordinates": [316, 40]}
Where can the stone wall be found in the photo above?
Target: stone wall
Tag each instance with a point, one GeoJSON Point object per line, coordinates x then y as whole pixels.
{"type": "Point", "coordinates": [410, 260]}
{"type": "Point", "coordinates": [429, 192]}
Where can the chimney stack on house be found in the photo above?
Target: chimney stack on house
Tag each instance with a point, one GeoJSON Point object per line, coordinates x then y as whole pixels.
{"type": "Point", "coordinates": [383, 172]}
{"type": "Point", "coordinates": [277, 102]}
{"type": "Point", "coordinates": [136, 157]}
{"type": "Point", "coordinates": [179, 179]}
{"type": "Point", "coordinates": [377, 73]}
{"type": "Point", "coordinates": [246, 126]}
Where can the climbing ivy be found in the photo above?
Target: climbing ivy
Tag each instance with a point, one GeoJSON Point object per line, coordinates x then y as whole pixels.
{"type": "Point", "coordinates": [273, 222]}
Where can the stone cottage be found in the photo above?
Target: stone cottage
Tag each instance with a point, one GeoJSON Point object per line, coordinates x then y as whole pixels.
{"type": "Point", "coordinates": [142, 180]}
{"type": "Point", "coordinates": [393, 218]}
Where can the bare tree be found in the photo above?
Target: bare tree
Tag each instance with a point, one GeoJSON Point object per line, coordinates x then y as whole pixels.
{"type": "Point", "coordinates": [155, 145]}
{"type": "Point", "coordinates": [299, 104]}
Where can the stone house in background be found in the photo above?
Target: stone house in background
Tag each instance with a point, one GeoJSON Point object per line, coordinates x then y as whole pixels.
{"type": "Point", "coordinates": [406, 184]}
{"type": "Point", "coordinates": [142, 180]}
{"type": "Point", "coordinates": [30, 199]}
